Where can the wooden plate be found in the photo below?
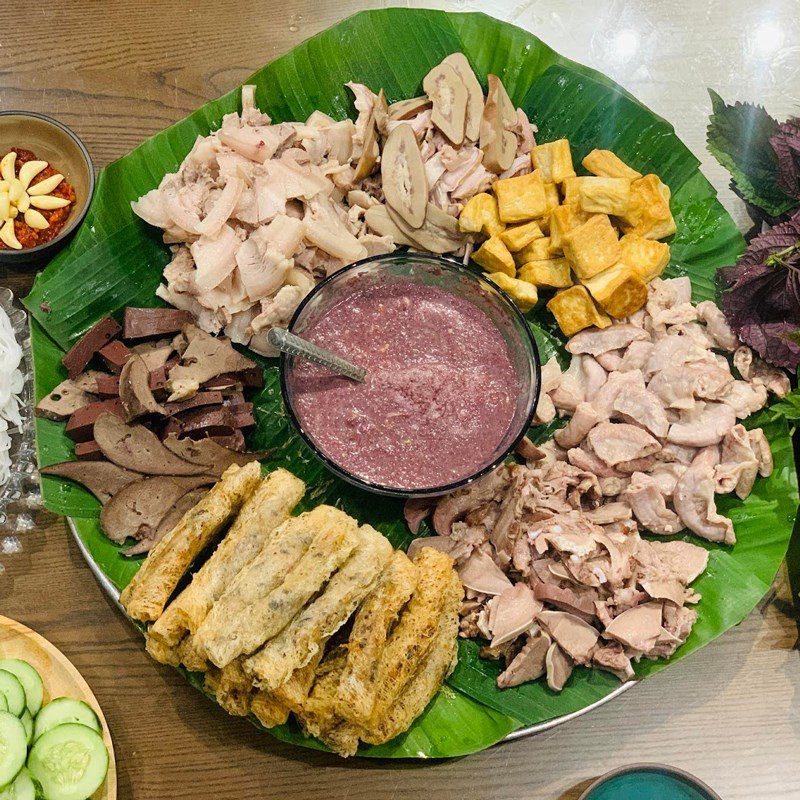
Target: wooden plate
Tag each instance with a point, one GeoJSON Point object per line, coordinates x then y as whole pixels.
{"type": "Point", "coordinates": [61, 679]}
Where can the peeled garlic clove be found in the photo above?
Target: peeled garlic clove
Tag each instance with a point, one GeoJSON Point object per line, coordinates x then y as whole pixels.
{"type": "Point", "coordinates": [8, 236]}
{"type": "Point", "coordinates": [12, 212]}
{"type": "Point", "coordinates": [36, 220]}
{"type": "Point", "coordinates": [23, 203]}
{"type": "Point", "coordinates": [15, 189]}
{"type": "Point", "coordinates": [46, 186]}
{"type": "Point", "coordinates": [48, 202]}
{"type": "Point", "coordinates": [29, 170]}
{"type": "Point", "coordinates": [7, 166]}
{"type": "Point", "coordinates": [5, 207]}
{"type": "Point", "coordinates": [3, 186]}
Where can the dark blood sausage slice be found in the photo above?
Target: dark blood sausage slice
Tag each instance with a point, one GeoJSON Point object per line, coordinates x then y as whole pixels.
{"type": "Point", "coordinates": [80, 424]}
{"type": "Point", "coordinates": [140, 323]}
{"type": "Point", "coordinates": [116, 355]}
{"type": "Point", "coordinates": [160, 375]}
{"type": "Point", "coordinates": [252, 378]}
{"type": "Point", "coordinates": [108, 385]}
{"type": "Point", "coordinates": [89, 451]}
{"type": "Point", "coordinates": [137, 448]}
{"type": "Point", "coordinates": [207, 452]}
{"type": "Point", "coordinates": [80, 354]}
{"type": "Point", "coordinates": [200, 399]}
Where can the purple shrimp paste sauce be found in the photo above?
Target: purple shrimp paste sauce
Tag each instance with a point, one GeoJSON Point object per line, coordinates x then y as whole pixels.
{"type": "Point", "coordinates": [439, 395]}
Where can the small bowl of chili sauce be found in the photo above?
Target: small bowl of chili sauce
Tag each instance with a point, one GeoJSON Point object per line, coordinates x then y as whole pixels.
{"type": "Point", "coordinates": [452, 383]}
{"type": "Point", "coordinates": [37, 137]}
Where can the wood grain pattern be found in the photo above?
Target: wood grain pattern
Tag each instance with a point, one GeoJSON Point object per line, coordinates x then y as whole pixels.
{"type": "Point", "coordinates": [117, 73]}
{"type": "Point", "coordinates": [60, 679]}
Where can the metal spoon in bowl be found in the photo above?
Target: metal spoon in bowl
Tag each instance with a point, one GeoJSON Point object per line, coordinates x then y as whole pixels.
{"type": "Point", "coordinates": [293, 345]}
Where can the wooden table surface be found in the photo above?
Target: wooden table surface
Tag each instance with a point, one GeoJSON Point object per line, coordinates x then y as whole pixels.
{"type": "Point", "coordinates": [117, 73]}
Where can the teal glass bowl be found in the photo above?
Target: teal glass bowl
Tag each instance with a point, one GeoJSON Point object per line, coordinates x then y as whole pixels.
{"type": "Point", "coordinates": [649, 782]}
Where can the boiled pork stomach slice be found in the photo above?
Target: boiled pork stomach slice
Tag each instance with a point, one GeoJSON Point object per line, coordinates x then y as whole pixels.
{"type": "Point", "coordinates": [616, 442]}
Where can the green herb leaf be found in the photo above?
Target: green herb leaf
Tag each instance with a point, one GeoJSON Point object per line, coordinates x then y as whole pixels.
{"type": "Point", "coordinates": [739, 138]}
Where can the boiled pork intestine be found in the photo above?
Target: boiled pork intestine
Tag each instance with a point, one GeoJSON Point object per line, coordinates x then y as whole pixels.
{"type": "Point", "coordinates": [554, 567]}
{"type": "Point", "coordinates": [258, 212]}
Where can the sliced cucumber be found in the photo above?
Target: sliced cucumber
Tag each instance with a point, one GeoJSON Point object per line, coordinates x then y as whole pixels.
{"type": "Point", "coordinates": [27, 722]}
{"type": "Point", "coordinates": [69, 762]}
{"type": "Point", "coordinates": [29, 678]}
{"type": "Point", "coordinates": [22, 788]}
{"type": "Point", "coordinates": [63, 710]}
{"type": "Point", "coordinates": [3, 703]}
{"type": "Point", "coordinates": [13, 747]}
{"type": "Point", "coordinates": [14, 692]}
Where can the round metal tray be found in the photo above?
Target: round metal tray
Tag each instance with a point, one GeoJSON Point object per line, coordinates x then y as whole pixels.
{"type": "Point", "coordinates": [113, 593]}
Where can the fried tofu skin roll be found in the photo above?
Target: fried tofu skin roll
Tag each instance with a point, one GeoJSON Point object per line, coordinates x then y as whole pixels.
{"type": "Point", "coordinates": [306, 634]}
{"type": "Point", "coordinates": [427, 680]}
{"type": "Point", "coordinates": [268, 710]}
{"type": "Point", "coordinates": [373, 621]}
{"type": "Point", "coordinates": [146, 595]}
{"type": "Point", "coordinates": [269, 505]}
{"type": "Point", "coordinates": [235, 628]}
{"type": "Point", "coordinates": [414, 634]}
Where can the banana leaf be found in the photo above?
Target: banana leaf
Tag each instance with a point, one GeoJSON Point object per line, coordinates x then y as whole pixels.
{"type": "Point", "coordinates": [117, 260]}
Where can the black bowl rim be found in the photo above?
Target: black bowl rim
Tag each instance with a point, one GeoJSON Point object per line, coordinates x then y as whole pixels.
{"type": "Point", "coordinates": [390, 491]}
{"type": "Point", "coordinates": [651, 766]}
{"type": "Point", "coordinates": [72, 224]}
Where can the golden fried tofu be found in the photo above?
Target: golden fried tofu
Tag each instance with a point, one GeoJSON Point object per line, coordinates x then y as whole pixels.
{"type": "Point", "coordinates": [646, 257]}
{"type": "Point", "coordinates": [562, 220]}
{"type": "Point", "coordinates": [552, 196]}
{"type": "Point", "coordinates": [554, 159]}
{"type": "Point", "coordinates": [604, 195]}
{"type": "Point", "coordinates": [648, 214]}
{"type": "Point", "coordinates": [618, 290]}
{"type": "Point", "coordinates": [480, 215]}
{"type": "Point", "coordinates": [524, 294]}
{"type": "Point", "coordinates": [575, 310]}
{"type": "Point", "coordinates": [494, 256]}
{"type": "Point", "coordinates": [522, 198]}
{"type": "Point", "coordinates": [554, 273]}
{"type": "Point", "coordinates": [592, 247]}
{"type": "Point", "coordinates": [537, 250]}
{"type": "Point", "coordinates": [544, 224]}
{"type": "Point", "coordinates": [570, 189]}
{"type": "Point", "coordinates": [608, 165]}
{"type": "Point", "coordinates": [517, 236]}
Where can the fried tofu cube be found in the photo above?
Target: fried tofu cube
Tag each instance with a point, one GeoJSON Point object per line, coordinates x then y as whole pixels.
{"type": "Point", "coordinates": [570, 189]}
{"type": "Point", "coordinates": [575, 310]}
{"type": "Point", "coordinates": [648, 214]}
{"type": "Point", "coordinates": [480, 215]}
{"type": "Point", "coordinates": [619, 291]}
{"type": "Point", "coordinates": [494, 256]}
{"type": "Point", "coordinates": [608, 165]}
{"type": "Point", "coordinates": [552, 196]}
{"type": "Point", "coordinates": [554, 159]}
{"type": "Point", "coordinates": [517, 236]}
{"type": "Point", "coordinates": [604, 195]}
{"type": "Point", "coordinates": [592, 247]}
{"type": "Point", "coordinates": [646, 257]}
{"type": "Point", "coordinates": [537, 250]}
{"type": "Point", "coordinates": [544, 225]}
{"type": "Point", "coordinates": [553, 273]}
{"type": "Point", "coordinates": [562, 220]}
{"type": "Point", "coordinates": [522, 293]}
{"type": "Point", "coordinates": [522, 198]}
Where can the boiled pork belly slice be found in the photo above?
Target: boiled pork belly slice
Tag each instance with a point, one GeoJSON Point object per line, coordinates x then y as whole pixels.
{"type": "Point", "coordinates": [214, 257]}
{"type": "Point", "coordinates": [529, 664]}
{"type": "Point", "coordinates": [694, 503]}
{"type": "Point", "coordinates": [616, 442]}
{"type": "Point", "coordinates": [638, 627]}
{"type": "Point", "coordinates": [511, 613]}
{"type": "Point", "coordinates": [576, 637]}
{"type": "Point", "coordinates": [649, 506]}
